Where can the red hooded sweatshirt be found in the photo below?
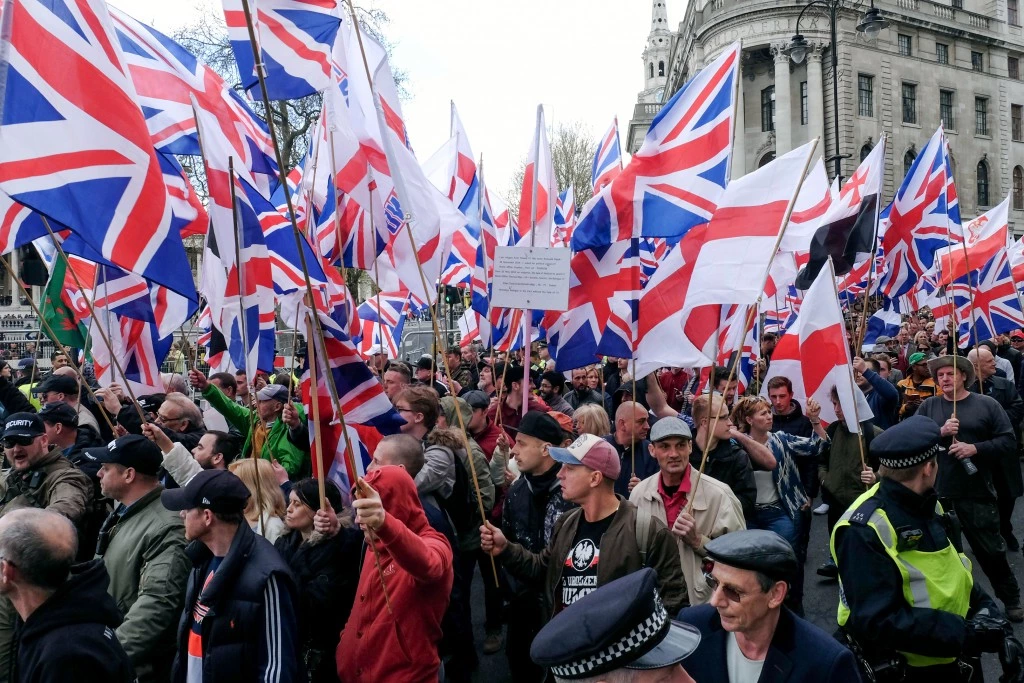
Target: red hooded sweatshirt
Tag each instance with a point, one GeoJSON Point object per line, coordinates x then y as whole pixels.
{"type": "Point", "coordinates": [377, 646]}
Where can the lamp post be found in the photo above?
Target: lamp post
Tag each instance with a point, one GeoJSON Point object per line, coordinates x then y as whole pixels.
{"type": "Point", "coordinates": [870, 25]}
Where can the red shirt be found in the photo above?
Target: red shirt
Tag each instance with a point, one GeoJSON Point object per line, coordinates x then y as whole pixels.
{"type": "Point", "coordinates": [675, 502]}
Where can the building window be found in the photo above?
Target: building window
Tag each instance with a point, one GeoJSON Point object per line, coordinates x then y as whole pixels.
{"type": "Point", "coordinates": [1017, 122]}
{"type": "Point", "coordinates": [904, 44]}
{"type": "Point", "coordinates": [958, 4]}
{"type": "Point", "coordinates": [977, 61]}
{"type": "Point", "coordinates": [1012, 15]}
{"type": "Point", "coordinates": [946, 109]}
{"type": "Point", "coordinates": [1013, 68]}
{"type": "Point", "coordinates": [981, 116]}
{"type": "Point", "coordinates": [803, 103]}
{"type": "Point", "coordinates": [909, 103]}
{"type": "Point", "coordinates": [1018, 188]}
{"type": "Point", "coordinates": [982, 183]}
{"type": "Point", "coordinates": [768, 109]}
{"type": "Point", "coordinates": [768, 158]}
{"type": "Point", "coordinates": [942, 53]}
{"type": "Point", "coordinates": [865, 95]}
{"type": "Point", "coordinates": [908, 161]}
{"type": "Point", "coordinates": [864, 152]}
{"type": "Point", "coordinates": [651, 70]}
{"type": "Point", "coordinates": [661, 68]}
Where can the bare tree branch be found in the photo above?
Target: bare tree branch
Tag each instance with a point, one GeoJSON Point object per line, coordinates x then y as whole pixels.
{"type": "Point", "coordinates": [573, 146]}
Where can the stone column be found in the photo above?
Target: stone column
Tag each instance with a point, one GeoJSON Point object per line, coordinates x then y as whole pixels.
{"type": "Point", "coordinates": [815, 96]}
{"type": "Point", "coordinates": [739, 149]}
{"type": "Point", "coordinates": [12, 284]}
{"type": "Point", "coordinates": [783, 106]}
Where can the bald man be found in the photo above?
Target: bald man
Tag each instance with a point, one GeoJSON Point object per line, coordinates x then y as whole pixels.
{"type": "Point", "coordinates": [629, 437]}
{"type": "Point", "coordinates": [1010, 486]}
{"type": "Point", "coordinates": [68, 617]}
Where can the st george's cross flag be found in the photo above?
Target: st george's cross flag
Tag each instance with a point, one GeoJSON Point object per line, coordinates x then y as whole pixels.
{"type": "Point", "coordinates": [815, 357]}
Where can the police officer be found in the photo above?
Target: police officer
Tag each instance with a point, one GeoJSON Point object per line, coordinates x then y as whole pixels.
{"type": "Point", "coordinates": [908, 603]}
{"type": "Point", "coordinates": [618, 632]}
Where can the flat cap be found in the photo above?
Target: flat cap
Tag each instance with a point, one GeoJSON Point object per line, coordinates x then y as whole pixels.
{"type": "Point", "coordinates": [668, 427]}
{"type": "Point", "coordinates": [477, 399]}
{"type": "Point", "coordinates": [620, 625]}
{"type": "Point", "coordinates": [756, 550]}
{"type": "Point", "coordinates": [907, 443]}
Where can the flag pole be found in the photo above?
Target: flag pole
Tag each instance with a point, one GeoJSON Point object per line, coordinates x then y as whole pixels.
{"type": "Point", "coordinates": [92, 312]}
{"type": "Point", "coordinates": [853, 384]}
{"type": "Point", "coordinates": [314, 408]}
{"type": "Point", "coordinates": [527, 314]}
{"type": "Point", "coordinates": [408, 218]}
{"type": "Point", "coordinates": [750, 313]}
{"type": "Point", "coordinates": [45, 327]}
{"type": "Point", "coordinates": [862, 329]}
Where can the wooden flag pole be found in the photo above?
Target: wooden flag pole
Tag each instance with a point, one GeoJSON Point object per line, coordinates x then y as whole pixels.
{"type": "Point", "coordinates": [314, 409]}
{"type": "Point", "coordinates": [400, 187]}
{"type": "Point", "coordinates": [853, 384]}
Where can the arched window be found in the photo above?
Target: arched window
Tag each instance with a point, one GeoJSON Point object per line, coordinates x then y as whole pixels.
{"type": "Point", "coordinates": [864, 152]}
{"type": "Point", "coordinates": [982, 183]}
{"type": "Point", "coordinates": [908, 160]}
{"type": "Point", "coordinates": [1018, 188]}
{"type": "Point", "coordinates": [651, 70]}
{"type": "Point", "coordinates": [766, 159]}
{"type": "Point", "coordinates": [661, 68]}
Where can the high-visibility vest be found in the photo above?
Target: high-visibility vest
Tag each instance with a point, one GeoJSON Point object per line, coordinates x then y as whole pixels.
{"type": "Point", "coordinates": [931, 580]}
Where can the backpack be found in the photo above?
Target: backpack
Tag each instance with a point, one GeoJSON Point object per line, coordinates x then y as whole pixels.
{"type": "Point", "coordinates": [459, 503]}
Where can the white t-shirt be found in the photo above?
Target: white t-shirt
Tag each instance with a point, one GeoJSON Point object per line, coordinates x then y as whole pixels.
{"type": "Point", "coordinates": [740, 669]}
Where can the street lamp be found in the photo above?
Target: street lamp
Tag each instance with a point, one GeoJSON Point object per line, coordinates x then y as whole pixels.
{"type": "Point", "coordinates": [870, 25]}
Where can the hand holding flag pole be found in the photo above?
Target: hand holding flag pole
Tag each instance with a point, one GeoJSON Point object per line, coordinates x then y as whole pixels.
{"type": "Point", "coordinates": [407, 219]}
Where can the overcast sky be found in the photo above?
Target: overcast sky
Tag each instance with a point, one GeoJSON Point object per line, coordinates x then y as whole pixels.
{"type": "Point", "coordinates": [497, 61]}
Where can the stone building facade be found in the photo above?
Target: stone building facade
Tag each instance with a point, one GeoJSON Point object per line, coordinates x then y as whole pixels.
{"type": "Point", "coordinates": [958, 62]}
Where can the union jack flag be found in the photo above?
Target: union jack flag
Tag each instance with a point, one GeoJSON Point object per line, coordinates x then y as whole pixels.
{"type": "Point", "coordinates": [924, 216]}
{"type": "Point", "coordinates": [565, 218]}
{"type": "Point", "coordinates": [19, 224]}
{"type": "Point", "coordinates": [461, 184]}
{"type": "Point", "coordinates": [139, 348]}
{"type": "Point", "coordinates": [986, 301]}
{"type": "Point", "coordinates": [653, 251]}
{"type": "Point", "coordinates": [78, 149]}
{"type": "Point", "coordinates": [128, 295]}
{"type": "Point", "coordinates": [608, 159]}
{"type": "Point", "coordinates": [382, 319]}
{"type": "Point", "coordinates": [295, 37]}
{"type": "Point", "coordinates": [673, 183]}
{"type": "Point", "coordinates": [483, 267]}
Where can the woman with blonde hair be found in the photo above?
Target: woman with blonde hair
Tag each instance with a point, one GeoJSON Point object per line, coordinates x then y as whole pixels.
{"type": "Point", "coordinates": [268, 522]}
{"type": "Point", "coordinates": [592, 419]}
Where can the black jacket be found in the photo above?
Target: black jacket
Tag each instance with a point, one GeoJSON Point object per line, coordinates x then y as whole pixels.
{"type": "Point", "coordinates": [73, 631]}
{"type": "Point", "coordinates": [729, 464]}
{"type": "Point", "coordinates": [1003, 390]}
{"type": "Point", "coordinates": [799, 651]}
{"type": "Point", "coordinates": [250, 627]}
{"type": "Point", "coordinates": [639, 457]}
{"type": "Point", "coordinates": [326, 574]}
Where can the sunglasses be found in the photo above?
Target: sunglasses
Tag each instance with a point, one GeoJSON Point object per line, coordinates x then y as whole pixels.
{"type": "Point", "coordinates": [12, 441]}
{"type": "Point", "coordinates": [730, 593]}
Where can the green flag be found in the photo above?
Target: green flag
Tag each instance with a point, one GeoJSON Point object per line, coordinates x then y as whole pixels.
{"type": "Point", "coordinates": [57, 314]}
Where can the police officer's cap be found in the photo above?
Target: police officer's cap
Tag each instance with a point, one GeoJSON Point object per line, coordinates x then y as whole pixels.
{"type": "Point", "coordinates": [620, 625]}
{"type": "Point", "coordinates": [756, 550]}
{"type": "Point", "coordinates": [907, 443]}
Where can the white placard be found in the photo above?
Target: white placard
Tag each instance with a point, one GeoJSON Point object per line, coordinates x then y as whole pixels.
{"type": "Point", "coordinates": [534, 278]}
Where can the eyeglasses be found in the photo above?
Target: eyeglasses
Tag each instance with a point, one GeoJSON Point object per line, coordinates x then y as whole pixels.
{"type": "Point", "coordinates": [730, 593]}
{"type": "Point", "coordinates": [403, 410]}
{"type": "Point", "coordinates": [12, 441]}
{"type": "Point", "coordinates": [166, 418]}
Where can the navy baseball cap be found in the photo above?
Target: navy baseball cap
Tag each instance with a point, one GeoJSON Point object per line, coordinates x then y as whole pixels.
{"type": "Point", "coordinates": [62, 383]}
{"type": "Point", "coordinates": [215, 490]}
{"type": "Point", "coordinates": [131, 450]}
{"type": "Point", "coordinates": [58, 412]}
{"type": "Point", "coordinates": [24, 425]}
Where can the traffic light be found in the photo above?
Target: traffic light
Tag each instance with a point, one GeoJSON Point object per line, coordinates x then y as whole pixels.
{"type": "Point", "coordinates": [33, 271]}
{"type": "Point", "coordinates": [451, 295]}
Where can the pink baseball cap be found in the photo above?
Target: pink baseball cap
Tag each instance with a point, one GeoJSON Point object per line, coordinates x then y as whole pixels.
{"type": "Point", "coordinates": [590, 451]}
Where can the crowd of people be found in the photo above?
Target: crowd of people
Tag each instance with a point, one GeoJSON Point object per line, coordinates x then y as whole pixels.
{"type": "Point", "coordinates": [182, 537]}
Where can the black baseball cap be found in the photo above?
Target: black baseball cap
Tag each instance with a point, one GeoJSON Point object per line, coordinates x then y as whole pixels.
{"type": "Point", "coordinates": [61, 383]}
{"type": "Point", "coordinates": [214, 490]}
{"type": "Point", "coordinates": [58, 412]}
{"type": "Point", "coordinates": [25, 425]}
{"type": "Point", "coordinates": [131, 450]}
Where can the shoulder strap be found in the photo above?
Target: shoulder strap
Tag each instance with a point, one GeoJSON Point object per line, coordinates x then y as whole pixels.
{"type": "Point", "coordinates": [864, 511]}
{"type": "Point", "coordinates": [643, 532]}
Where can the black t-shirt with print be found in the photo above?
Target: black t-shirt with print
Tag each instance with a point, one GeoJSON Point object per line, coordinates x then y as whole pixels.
{"type": "Point", "coordinates": [579, 574]}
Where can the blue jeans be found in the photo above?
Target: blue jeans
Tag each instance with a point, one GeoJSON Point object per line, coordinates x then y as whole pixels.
{"type": "Point", "coordinates": [775, 518]}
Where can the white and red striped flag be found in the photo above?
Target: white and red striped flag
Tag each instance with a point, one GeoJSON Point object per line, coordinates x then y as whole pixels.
{"type": "Point", "coordinates": [983, 238]}
{"type": "Point", "coordinates": [815, 357]}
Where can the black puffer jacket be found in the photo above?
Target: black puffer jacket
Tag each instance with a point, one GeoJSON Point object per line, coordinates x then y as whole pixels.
{"type": "Point", "coordinates": [73, 631]}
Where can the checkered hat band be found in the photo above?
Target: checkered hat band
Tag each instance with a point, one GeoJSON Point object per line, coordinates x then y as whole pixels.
{"type": "Point", "coordinates": [635, 640]}
{"type": "Point", "coordinates": [904, 463]}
